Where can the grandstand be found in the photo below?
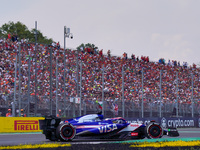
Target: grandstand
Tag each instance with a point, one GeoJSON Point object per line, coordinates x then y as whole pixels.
{"type": "Point", "coordinates": [180, 84]}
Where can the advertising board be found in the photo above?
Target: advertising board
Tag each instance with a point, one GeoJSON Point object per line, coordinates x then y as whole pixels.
{"type": "Point", "coordinates": [174, 122]}
{"type": "Point", "coordinates": [19, 124]}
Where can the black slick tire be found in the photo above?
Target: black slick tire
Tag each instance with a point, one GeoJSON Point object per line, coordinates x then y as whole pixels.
{"type": "Point", "coordinates": [66, 132]}
{"type": "Point", "coordinates": [153, 130]}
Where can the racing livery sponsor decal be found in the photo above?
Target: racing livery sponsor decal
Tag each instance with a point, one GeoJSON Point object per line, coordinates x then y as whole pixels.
{"type": "Point", "coordinates": [134, 134]}
{"type": "Point", "coordinates": [134, 125]}
{"type": "Point", "coordinates": [107, 128]}
{"type": "Point", "coordinates": [21, 125]}
{"type": "Point", "coordinates": [135, 121]}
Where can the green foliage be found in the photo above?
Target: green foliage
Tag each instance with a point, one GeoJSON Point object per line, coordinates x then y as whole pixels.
{"type": "Point", "coordinates": [23, 32]}
{"type": "Point", "coordinates": [88, 45]}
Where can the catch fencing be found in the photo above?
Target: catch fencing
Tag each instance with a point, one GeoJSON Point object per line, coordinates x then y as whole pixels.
{"type": "Point", "coordinates": [92, 83]}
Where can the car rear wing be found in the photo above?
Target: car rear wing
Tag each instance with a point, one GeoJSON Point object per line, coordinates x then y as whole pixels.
{"type": "Point", "coordinates": [49, 122]}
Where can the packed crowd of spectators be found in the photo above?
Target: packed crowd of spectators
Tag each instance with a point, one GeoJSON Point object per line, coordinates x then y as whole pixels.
{"type": "Point", "coordinates": [92, 64]}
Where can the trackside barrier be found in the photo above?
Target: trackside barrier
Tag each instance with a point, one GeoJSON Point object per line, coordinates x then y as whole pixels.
{"type": "Point", "coordinates": [167, 122]}
{"type": "Point", "coordinates": [19, 124]}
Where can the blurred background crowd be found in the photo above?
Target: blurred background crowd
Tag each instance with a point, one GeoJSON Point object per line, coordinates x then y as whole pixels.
{"type": "Point", "coordinates": [179, 82]}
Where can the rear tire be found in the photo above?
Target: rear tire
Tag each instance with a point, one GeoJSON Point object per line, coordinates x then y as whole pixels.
{"type": "Point", "coordinates": [66, 132]}
{"type": "Point", "coordinates": [153, 130]}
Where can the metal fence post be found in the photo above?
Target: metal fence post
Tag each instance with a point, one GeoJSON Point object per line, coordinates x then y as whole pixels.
{"type": "Point", "coordinates": [176, 94]}
{"type": "Point", "coordinates": [20, 103]}
{"type": "Point", "coordinates": [77, 74]}
{"type": "Point", "coordinates": [13, 112]}
{"type": "Point", "coordinates": [35, 111]}
{"type": "Point", "coordinates": [103, 109]}
{"type": "Point", "coordinates": [29, 79]}
{"type": "Point", "coordinates": [192, 96]}
{"type": "Point", "coordinates": [56, 86]}
{"type": "Point", "coordinates": [73, 107]}
{"type": "Point", "coordinates": [123, 92]}
{"type": "Point", "coordinates": [51, 108]}
{"type": "Point", "coordinates": [142, 93]}
{"type": "Point", "coordinates": [160, 92]}
{"type": "Point", "coordinates": [80, 87]}
{"type": "Point", "coordinates": [64, 73]}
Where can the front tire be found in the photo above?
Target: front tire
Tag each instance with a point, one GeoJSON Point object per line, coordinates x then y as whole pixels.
{"type": "Point", "coordinates": [153, 130]}
{"type": "Point", "coordinates": [66, 132]}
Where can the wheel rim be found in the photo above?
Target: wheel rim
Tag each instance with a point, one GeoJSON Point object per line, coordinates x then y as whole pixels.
{"type": "Point", "coordinates": [155, 131]}
{"type": "Point", "coordinates": [67, 132]}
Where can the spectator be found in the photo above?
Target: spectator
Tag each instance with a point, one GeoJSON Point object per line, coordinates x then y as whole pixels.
{"type": "Point", "coordinates": [59, 113]}
{"type": "Point", "coordinates": [194, 65]}
{"type": "Point", "coordinates": [8, 114]}
{"type": "Point", "coordinates": [179, 63]}
{"type": "Point", "coordinates": [137, 59]}
{"type": "Point", "coordinates": [175, 63]}
{"type": "Point", "coordinates": [133, 57]}
{"type": "Point", "coordinates": [101, 53]}
{"type": "Point", "coordinates": [162, 61]}
{"type": "Point", "coordinates": [54, 44]}
{"type": "Point", "coordinates": [22, 113]}
{"type": "Point", "coordinates": [185, 64]}
{"type": "Point", "coordinates": [14, 38]}
{"type": "Point", "coordinates": [58, 45]}
{"type": "Point", "coordinates": [108, 53]}
{"type": "Point", "coordinates": [9, 37]}
{"type": "Point", "coordinates": [125, 56]}
{"type": "Point", "coordinates": [147, 59]}
{"type": "Point", "coordinates": [92, 75]}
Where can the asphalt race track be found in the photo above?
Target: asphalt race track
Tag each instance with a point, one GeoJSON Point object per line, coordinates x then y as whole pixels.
{"type": "Point", "coordinates": [39, 138]}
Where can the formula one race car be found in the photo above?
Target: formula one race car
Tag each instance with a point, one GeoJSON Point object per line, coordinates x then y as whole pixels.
{"type": "Point", "coordinates": [93, 126]}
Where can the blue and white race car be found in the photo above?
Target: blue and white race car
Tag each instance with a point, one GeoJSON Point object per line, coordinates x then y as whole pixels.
{"type": "Point", "coordinates": [94, 126]}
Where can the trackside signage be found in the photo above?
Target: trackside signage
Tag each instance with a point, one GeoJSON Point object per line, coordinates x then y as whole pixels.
{"type": "Point", "coordinates": [26, 125]}
{"type": "Point", "coordinates": [178, 122]}
{"type": "Point", "coordinates": [19, 124]}
{"type": "Point", "coordinates": [182, 122]}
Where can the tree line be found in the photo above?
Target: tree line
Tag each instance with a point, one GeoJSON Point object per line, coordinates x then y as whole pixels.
{"type": "Point", "coordinates": [22, 32]}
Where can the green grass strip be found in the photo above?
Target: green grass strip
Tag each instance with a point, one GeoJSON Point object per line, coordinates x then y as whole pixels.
{"type": "Point", "coordinates": [167, 144]}
{"type": "Point", "coordinates": [159, 140]}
